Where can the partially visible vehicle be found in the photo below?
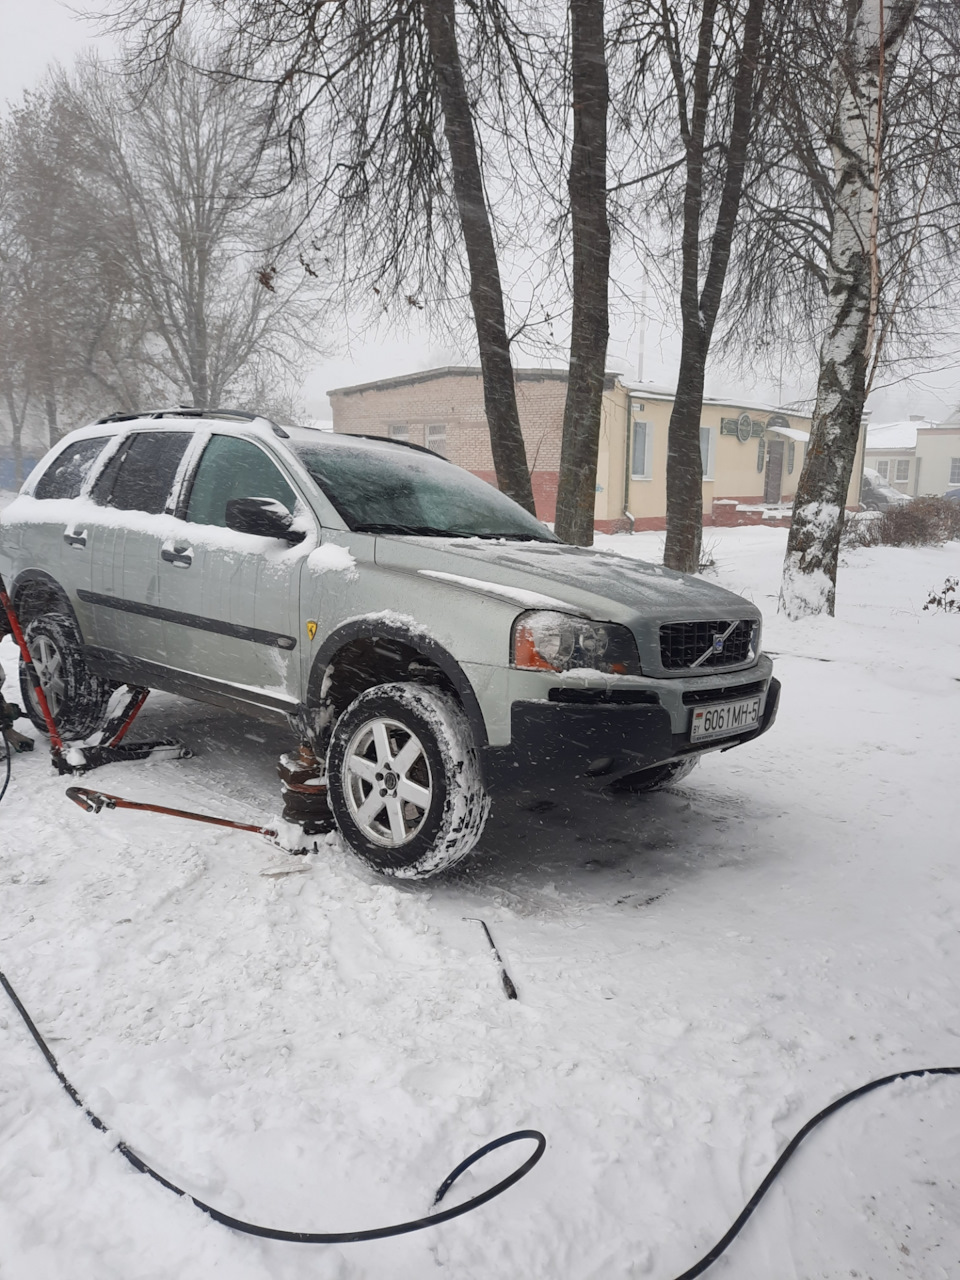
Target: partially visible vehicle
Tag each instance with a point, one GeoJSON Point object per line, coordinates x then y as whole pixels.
{"type": "Point", "coordinates": [952, 495]}
{"type": "Point", "coordinates": [877, 495]}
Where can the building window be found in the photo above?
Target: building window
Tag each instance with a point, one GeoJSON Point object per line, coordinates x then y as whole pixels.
{"type": "Point", "coordinates": [761, 453]}
{"type": "Point", "coordinates": [708, 437]}
{"type": "Point", "coordinates": [640, 458]}
{"type": "Point", "coordinates": [398, 431]}
{"type": "Point", "coordinates": [437, 437]}
{"type": "Point", "coordinates": [883, 468]}
{"type": "Point", "coordinates": [903, 469]}
{"type": "Point", "coordinates": [791, 456]}
{"type": "Point", "coordinates": [955, 470]}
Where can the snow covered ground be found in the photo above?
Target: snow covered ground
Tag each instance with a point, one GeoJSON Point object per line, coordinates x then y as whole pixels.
{"type": "Point", "coordinates": [699, 971]}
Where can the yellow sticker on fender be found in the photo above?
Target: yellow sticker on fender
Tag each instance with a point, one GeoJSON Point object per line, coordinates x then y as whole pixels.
{"type": "Point", "coordinates": [311, 629]}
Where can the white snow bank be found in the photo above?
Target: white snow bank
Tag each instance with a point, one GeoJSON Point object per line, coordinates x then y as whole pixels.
{"type": "Point", "coordinates": [699, 972]}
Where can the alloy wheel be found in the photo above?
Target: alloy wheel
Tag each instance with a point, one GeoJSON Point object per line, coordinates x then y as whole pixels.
{"type": "Point", "coordinates": [387, 781]}
{"type": "Point", "coordinates": [48, 662]}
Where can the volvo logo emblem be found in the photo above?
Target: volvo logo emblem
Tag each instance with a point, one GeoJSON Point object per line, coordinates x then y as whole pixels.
{"type": "Point", "coordinates": [718, 639]}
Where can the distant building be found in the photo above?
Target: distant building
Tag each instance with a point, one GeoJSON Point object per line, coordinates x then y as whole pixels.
{"type": "Point", "coordinates": [916, 456]}
{"type": "Point", "coordinates": [752, 453]}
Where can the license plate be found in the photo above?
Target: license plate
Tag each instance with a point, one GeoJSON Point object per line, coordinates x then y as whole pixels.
{"type": "Point", "coordinates": [724, 718]}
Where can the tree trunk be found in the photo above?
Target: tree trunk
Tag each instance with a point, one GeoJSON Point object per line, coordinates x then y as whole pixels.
{"type": "Point", "coordinates": [587, 184]}
{"type": "Point", "coordinates": [699, 308]}
{"type": "Point", "coordinates": [17, 418]}
{"type": "Point", "coordinates": [486, 293]}
{"type": "Point", "coordinates": [684, 534]}
{"type": "Point", "coordinates": [874, 33]}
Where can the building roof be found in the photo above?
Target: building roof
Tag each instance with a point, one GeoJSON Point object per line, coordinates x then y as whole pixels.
{"type": "Point", "coordinates": [546, 374]}
{"type": "Point", "coordinates": [894, 435]}
{"type": "Point", "coordinates": [449, 371]}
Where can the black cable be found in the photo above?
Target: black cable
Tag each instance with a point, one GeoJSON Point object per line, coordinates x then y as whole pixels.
{"type": "Point", "coordinates": [304, 1237]}
{"type": "Point", "coordinates": [710, 1258]}
{"type": "Point", "coordinates": [418, 1224]}
{"type": "Point", "coordinates": [7, 753]}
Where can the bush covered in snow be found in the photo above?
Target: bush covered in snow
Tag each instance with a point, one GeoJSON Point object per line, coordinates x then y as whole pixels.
{"type": "Point", "coordinates": [924, 522]}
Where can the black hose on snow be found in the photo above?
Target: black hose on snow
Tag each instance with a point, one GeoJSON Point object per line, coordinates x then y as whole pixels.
{"type": "Point", "coordinates": [418, 1224]}
{"type": "Point", "coordinates": [305, 1237]}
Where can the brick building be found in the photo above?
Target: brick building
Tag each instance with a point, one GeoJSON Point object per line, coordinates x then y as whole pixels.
{"type": "Point", "coordinates": [752, 453]}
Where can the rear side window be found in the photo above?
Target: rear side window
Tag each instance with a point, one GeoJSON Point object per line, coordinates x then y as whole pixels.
{"type": "Point", "coordinates": [229, 469]}
{"type": "Point", "coordinates": [65, 477]}
{"type": "Point", "coordinates": [140, 475]}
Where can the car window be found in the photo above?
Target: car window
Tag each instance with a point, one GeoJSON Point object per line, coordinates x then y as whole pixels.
{"type": "Point", "coordinates": [140, 475]}
{"type": "Point", "coordinates": [399, 490]}
{"type": "Point", "coordinates": [65, 476]}
{"type": "Point", "coordinates": [233, 468]}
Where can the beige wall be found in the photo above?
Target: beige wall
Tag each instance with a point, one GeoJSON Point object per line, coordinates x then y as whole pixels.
{"type": "Point", "coordinates": [936, 446]}
{"type": "Point", "coordinates": [454, 397]}
{"type": "Point", "coordinates": [892, 456]}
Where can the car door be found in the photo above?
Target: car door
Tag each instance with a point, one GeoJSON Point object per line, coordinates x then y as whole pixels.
{"type": "Point", "coordinates": [231, 600]}
{"type": "Point", "coordinates": [59, 545]}
{"type": "Point", "coordinates": [134, 493]}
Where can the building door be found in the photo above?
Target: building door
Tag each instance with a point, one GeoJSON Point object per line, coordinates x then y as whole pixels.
{"type": "Point", "coordinates": [773, 478]}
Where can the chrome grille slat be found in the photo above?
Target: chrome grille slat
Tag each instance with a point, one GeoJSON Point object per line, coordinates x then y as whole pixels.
{"type": "Point", "coordinates": [687, 645]}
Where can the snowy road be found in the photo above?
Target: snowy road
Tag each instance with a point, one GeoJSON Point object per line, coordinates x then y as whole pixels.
{"type": "Point", "coordinates": [699, 972]}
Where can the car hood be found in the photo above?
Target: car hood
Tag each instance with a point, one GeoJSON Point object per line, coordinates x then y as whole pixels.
{"type": "Point", "coordinates": [579, 578]}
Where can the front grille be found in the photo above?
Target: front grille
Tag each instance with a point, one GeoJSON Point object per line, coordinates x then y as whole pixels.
{"type": "Point", "coordinates": [682, 643]}
{"type": "Point", "coordinates": [694, 697]}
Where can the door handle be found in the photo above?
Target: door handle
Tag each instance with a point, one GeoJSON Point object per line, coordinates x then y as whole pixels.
{"type": "Point", "coordinates": [178, 554]}
{"type": "Point", "coordinates": [75, 537]}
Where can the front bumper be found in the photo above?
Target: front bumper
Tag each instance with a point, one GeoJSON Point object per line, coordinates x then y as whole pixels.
{"type": "Point", "coordinates": [561, 745]}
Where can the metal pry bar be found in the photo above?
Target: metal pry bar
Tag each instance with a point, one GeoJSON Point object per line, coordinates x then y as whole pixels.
{"type": "Point", "coordinates": [509, 989]}
{"type": "Point", "coordinates": [94, 801]}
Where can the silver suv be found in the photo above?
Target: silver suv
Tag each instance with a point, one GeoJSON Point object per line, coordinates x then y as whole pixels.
{"type": "Point", "coordinates": [432, 642]}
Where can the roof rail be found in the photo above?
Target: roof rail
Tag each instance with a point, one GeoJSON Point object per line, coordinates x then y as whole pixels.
{"type": "Point", "coordinates": [187, 411]}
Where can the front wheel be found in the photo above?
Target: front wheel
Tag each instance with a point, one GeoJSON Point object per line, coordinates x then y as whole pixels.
{"type": "Point", "coordinates": [404, 780]}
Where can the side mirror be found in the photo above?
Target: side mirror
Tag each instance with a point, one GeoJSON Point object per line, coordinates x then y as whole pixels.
{"type": "Point", "coordinates": [264, 517]}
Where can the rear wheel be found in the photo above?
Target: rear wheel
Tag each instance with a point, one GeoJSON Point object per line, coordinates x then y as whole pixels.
{"type": "Point", "coordinates": [404, 781]}
{"type": "Point", "coordinates": [77, 699]}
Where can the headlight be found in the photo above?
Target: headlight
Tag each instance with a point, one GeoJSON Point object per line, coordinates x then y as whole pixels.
{"type": "Point", "coordinates": [545, 641]}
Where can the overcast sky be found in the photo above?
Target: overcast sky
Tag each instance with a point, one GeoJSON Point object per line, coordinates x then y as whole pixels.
{"type": "Point", "coordinates": [34, 33]}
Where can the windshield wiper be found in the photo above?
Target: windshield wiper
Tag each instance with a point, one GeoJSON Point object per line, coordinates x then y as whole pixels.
{"type": "Point", "coordinates": [416, 530]}
{"type": "Point", "coordinates": [429, 531]}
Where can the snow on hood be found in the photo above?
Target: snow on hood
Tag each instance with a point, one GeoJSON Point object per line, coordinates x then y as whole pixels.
{"type": "Point", "coordinates": [578, 578]}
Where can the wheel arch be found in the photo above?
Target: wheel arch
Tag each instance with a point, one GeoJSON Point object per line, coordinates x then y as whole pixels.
{"type": "Point", "coordinates": [35, 592]}
{"type": "Point", "coordinates": [373, 650]}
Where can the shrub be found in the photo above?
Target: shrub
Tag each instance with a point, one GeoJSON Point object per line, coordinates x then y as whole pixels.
{"type": "Point", "coordinates": [924, 522]}
{"type": "Point", "coordinates": [860, 529]}
{"type": "Point", "coordinates": [946, 598]}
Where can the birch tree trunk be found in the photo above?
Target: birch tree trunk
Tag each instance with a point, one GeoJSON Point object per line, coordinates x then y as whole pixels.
{"type": "Point", "coordinates": [875, 31]}
{"type": "Point", "coordinates": [589, 332]}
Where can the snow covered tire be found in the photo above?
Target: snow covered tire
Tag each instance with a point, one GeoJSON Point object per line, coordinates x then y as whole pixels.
{"type": "Point", "coordinates": [404, 780]}
{"type": "Point", "coordinates": [77, 699]}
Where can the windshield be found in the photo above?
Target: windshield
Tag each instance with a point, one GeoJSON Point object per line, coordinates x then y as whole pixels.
{"type": "Point", "coordinates": [399, 490]}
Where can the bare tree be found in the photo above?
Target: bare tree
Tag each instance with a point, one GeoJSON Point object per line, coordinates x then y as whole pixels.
{"type": "Point", "coordinates": [377, 108]}
{"type": "Point", "coordinates": [706, 66]}
{"type": "Point", "coordinates": [873, 34]}
{"type": "Point", "coordinates": [178, 168]}
{"type": "Point", "coordinates": [591, 271]}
